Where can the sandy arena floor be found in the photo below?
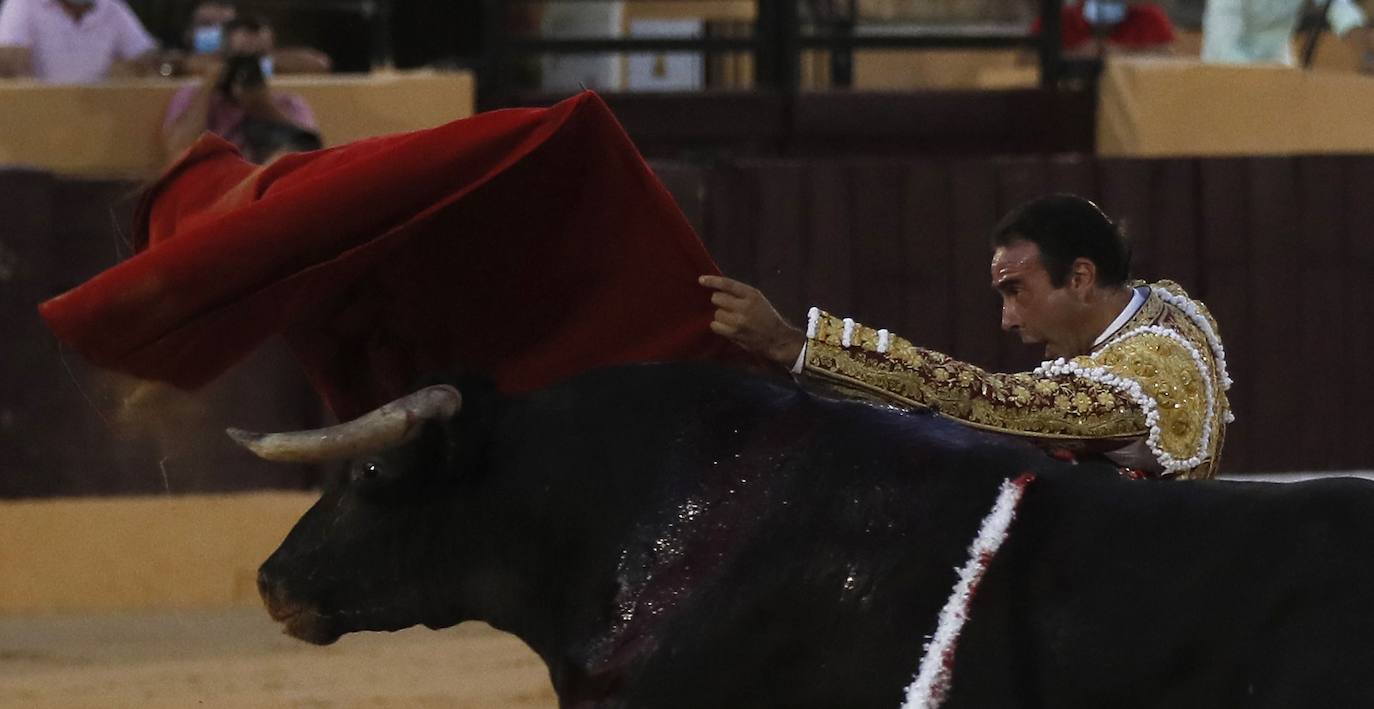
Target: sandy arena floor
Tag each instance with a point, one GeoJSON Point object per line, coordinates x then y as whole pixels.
{"type": "Point", "coordinates": [239, 658]}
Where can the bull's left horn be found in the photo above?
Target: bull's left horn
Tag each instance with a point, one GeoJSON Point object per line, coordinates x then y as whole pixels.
{"type": "Point", "coordinates": [384, 427]}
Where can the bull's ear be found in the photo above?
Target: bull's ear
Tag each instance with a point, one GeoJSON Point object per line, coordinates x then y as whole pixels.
{"type": "Point", "coordinates": [460, 442]}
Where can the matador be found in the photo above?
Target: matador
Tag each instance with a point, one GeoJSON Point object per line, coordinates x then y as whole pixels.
{"type": "Point", "coordinates": [1133, 371]}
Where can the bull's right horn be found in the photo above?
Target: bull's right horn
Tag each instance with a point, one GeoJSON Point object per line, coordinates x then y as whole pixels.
{"type": "Point", "coordinates": [387, 426]}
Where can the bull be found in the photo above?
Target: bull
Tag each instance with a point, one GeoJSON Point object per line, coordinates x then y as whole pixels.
{"type": "Point", "coordinates": [680, 535]}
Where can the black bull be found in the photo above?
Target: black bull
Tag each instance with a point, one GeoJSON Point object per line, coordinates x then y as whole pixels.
{"type": "Point", "coordinates": [684, 536]}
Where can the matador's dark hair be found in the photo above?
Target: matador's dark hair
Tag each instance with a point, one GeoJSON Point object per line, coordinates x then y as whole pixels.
{"type": "Point", "coordinates": [1068, 227]}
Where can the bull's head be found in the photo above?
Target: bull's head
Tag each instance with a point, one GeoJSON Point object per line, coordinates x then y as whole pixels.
{"type": "Point", "coordinates": [364, 557]}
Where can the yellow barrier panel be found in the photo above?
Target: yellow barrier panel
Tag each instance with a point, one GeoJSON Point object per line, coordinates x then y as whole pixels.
{"type": "Point", "coordinates": [113, 129]}
{"type": "Point", "coordinates": [101, 554]}
{"type": "Point", "coordinates": [1181, 108]}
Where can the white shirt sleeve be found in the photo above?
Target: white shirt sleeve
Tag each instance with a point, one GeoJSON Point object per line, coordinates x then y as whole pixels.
{"type": "Point", "coordinates": [14, 24]}
{"type": "Point", "coordinates": [801, 361]}
{"type": "Point", "coordinates": [134, 40]}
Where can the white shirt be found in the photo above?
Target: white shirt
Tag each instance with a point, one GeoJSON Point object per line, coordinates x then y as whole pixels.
{"type": "Point", "coordinates": [1138, 296]}
{"type": "Point", "coordinates": [1261, 31]}
{"type": "Point", "coordinates": [65, 51]}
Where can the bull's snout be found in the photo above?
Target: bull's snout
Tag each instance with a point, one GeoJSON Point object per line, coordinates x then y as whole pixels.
{"type": "Point", "coordinates": [275, 598]}
{"type": "Point", "coordinates": [300, 620]}
{"type": "Point", "coordinates": [267, 590]}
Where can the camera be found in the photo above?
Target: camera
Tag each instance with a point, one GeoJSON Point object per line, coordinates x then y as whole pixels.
{"type": "Point", "coordinates": [243, 71]}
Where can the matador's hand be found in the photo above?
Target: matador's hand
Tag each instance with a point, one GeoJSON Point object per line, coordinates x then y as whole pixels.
{"type": "Point", "coordinates": [744, 316]}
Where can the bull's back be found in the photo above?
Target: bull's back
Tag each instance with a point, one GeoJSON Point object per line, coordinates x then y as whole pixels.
{"type": "Point", "coordinates": [826, 534]}
{"type": "Point", "coordinates": [806, 543]}
{"type": "Point", "coordinates": [1178, 594]}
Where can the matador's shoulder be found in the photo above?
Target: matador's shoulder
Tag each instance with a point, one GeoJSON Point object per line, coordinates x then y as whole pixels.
{"type": "Point", "coordinates": [1169, 359]}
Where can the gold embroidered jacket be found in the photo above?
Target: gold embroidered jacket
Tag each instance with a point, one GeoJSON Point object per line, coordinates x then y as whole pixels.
{"type": "Point", "coordinates": [1159, 380]}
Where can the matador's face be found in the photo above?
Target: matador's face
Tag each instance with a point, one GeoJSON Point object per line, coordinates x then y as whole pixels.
{"type": "Point", "coordinates": [1032, 308]}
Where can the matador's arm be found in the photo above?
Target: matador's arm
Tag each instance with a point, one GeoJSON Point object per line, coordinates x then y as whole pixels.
{"type": "Point", "coordinates": [1036, 405]}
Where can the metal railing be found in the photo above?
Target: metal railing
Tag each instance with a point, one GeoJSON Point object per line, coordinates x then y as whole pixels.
{"type": "Point", "coordinates": [776, 44]}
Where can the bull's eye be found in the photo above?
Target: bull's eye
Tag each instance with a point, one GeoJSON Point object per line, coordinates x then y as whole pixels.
{"type": "Point", "coordinates": [370, 471]}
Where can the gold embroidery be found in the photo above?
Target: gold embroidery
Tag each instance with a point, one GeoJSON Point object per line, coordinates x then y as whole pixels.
{"type": "Point", "coordinates": [1167, 373]}
{"type": "Point", "coordinates": [1013, 403]}
{"type": "Point", "coordinates": [1059, 408]}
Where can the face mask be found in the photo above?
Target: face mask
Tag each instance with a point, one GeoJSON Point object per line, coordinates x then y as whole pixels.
{"type": "Point", "coordinates": [207, 39]}
{"type": "Point", "coordinates": [267, 66]}
{"type": "Point", "coordinates": [1103, 12]}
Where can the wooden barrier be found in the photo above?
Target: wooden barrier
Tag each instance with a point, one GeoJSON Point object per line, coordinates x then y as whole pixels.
{"type": "Point", "coordinates": [896, 70]}
{"type": "Point", "coordinates": [113, 129]}
{"type": "Point", "coordinates": [709, 10]}
{"type": "Point", "coordinates": [968, 123]}
{"type": "Point", "coordinates": [1182, 108]}
{"type": "Point", "coordinates": [188, 551]}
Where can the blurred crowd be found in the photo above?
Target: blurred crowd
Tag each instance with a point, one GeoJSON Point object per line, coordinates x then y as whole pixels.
{"type": "Point", "coordinates": [1232, 31]}
{"type": "Point", "coordinates": [82, 41]}
{"type": "Point", "coordinates": [232, 54]}
{"type": "Point", "coordinates": [234, 57]}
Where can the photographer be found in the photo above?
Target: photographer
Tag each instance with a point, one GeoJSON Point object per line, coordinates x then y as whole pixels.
{"type": "Point", "coordinates": [236, 102]}
{"type": "Point", "coordinates": [203, 40]}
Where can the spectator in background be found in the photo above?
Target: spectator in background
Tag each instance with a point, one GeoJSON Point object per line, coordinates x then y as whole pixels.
{"type": "Point", "coordinates": [73, 41]}
{"type": "Point", "coordinates": [1125, 26]}
{"type": "Point", "coordinates": [204, 40]}
{"type": "Point", "coordinates": [1367, 58]}
{"type": "Point", "coordinates": [236, 102]}
{"type": "Point", "coordinates": [1261, 31]}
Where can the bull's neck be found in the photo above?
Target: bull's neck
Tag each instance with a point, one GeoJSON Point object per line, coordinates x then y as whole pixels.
{"type": "Point", "coordinates": [599, 566]}
{"type": "Point", "coordinates": [558, 578]}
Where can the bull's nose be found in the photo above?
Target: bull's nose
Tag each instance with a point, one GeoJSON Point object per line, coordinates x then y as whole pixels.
{"type": "Point", "coordinates": [264, 584]}
{"type": "Point", "coordinates": [302, 620]}
{"type": "Point", "coordinates": [273, 594]}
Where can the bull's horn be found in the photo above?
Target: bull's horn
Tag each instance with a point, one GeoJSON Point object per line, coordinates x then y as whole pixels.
{"type": "Point", "coordinates": [384, 427]}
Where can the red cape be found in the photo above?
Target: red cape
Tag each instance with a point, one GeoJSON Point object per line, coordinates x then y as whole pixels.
{"type": "Point", "coordinates": [529, 244]}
